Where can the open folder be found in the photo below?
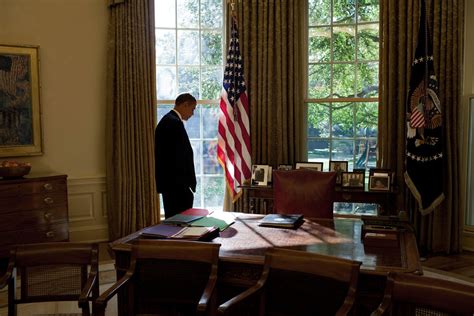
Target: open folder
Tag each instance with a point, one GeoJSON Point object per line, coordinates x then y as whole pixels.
{"type": "Point", "coordinates": [186, 217]}
{"type": "Point", "coordinates": [162, 231]}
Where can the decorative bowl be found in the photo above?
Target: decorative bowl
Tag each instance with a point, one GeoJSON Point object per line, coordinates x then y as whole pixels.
{"type": "Point", "coordinates": [14, 171]}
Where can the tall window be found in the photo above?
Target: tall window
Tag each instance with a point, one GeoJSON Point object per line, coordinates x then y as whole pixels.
{"type": "Point", "coordinates": [189, 58]}
{"type": "Point", "coordinates": [342, 90]}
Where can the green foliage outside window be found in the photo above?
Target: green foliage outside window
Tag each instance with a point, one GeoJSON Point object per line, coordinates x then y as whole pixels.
{"type": "Point", "coordinates": [342, 92]}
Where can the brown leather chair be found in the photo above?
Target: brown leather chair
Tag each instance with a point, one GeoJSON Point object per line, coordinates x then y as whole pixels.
{"type": "Point", "coordinates": [408, 294]}
{"type": "Point", "coordinates": [51, 272]}
{"type": "Point", "coordinates": [304, 191]}
{"type": "Point", "coordinates": [299, 283]}
{"type": "Point", "coordinates": [167, 277]}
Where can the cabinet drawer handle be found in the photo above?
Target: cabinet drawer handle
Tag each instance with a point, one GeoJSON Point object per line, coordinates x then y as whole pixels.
{"type": "Point", "coordinates": [48, 186]}
{"type": "Point", "coordinates": [50, 234]}
{"type": "Point", "coordinates": [48, 216]}
{"type": "Point", "coordinates": [48, 200]}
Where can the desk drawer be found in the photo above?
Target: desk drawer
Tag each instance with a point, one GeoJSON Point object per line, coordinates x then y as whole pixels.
{"type": "Point", "coordinates": [35, 201]}
{"type": "Point", "coordinates": [27, 188]}
{"type": "Point", "coordinates": [40, 233]}
{"type": "Point", "coordinates": [24, 219]}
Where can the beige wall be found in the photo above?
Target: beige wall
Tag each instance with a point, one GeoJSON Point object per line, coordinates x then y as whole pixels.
{"type": "Point", "coordinates": [72, 36]}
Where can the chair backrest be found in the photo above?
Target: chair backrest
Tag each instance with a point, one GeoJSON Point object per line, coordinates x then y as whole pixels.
{"type": "Point", "coordinates": [308, 283]}
{"type": "Point", "coordinates": [171, 276]}
{"type": "Point", "coordinates": [304, 191]}
{"type": "Point", "coordinates": [47, 272]}
{"type": "Point", "coordinates": [408, 294]}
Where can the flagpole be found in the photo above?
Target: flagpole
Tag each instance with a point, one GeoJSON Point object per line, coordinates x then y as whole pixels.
{"type": "Point", "coordinates": [427, 75]}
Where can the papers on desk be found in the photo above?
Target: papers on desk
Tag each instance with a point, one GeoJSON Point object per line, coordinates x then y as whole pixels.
{"type": "Point", "coordinates": [222, 220]}
{"type": "Point", "coordinates": [164, 231]}
{"type": "Point", "coordinates": [186, 217]}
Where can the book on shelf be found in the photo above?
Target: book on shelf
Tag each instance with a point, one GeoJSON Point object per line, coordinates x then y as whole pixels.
{"type": "Point", "coordinates": [164, 231]}
{"type": "Point", "coordinates": [222, 220]}
{"type": "Point", "coordinates": [282, 220]}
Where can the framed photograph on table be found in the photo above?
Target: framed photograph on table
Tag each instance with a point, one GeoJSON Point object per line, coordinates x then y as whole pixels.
{"type": "Point", "coordinates": [20, 112]}
{"type": "Point", "coordinates": [259, 175]}
{"type": "Point", "coordinates": [339, 167]}
{"type": "Point", "coordinates": [285, 167]}
{"type": "Point", "coordinates": [383, 172]}
{"type": "Point", "coordinates": [354, 180]}
{"type": "Point", "coordinates": [379, 183]}
{"type": "Point", "coordinates": [310, 165]}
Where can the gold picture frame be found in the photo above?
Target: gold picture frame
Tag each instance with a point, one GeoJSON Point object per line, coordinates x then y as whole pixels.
{"type": "Point", "coordinates": [20, 112]}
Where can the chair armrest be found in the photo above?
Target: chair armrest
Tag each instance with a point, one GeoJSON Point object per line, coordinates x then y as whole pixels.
{"type": "Point", "coordinates": [88, 288]}
{"type": "Point", "coordinates": [101, 302]}
{"type": "Point", "coordinates": [207, 294]}
{"type": "Point", "coordinates": [348, 305]}
{"type": "Point", "coordinates": [8, 274]}
{"type": "Point", "coordinates": [240, 299]}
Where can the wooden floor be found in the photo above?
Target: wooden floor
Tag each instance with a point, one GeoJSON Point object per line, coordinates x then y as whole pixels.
{"type": "Point", "coordinates": [461, 265]}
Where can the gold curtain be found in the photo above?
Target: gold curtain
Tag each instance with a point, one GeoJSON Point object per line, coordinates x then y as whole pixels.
{"type": "Point", "coordinates": [132, 201]}
{"type": "Point", "coordinates": [271, 36]}
{"type": "Point", "coordinates": [439, 230]}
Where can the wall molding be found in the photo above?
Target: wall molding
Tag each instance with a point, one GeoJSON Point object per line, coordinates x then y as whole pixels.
{"type": "Point", "coordinates": [87, 209]}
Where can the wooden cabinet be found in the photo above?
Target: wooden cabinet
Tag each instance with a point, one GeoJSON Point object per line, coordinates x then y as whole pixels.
{"type": "Point", "coordinates": [33, 209]}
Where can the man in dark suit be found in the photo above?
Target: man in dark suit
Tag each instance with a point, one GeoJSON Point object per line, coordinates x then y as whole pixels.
{"type": "Point", "coordinates": [174, 161]}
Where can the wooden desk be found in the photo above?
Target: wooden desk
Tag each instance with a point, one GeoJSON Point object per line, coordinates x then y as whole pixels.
{"type": "Point", "coordinates": [386, 199]}
{"type": "Point", "coordinates": [244, 243]}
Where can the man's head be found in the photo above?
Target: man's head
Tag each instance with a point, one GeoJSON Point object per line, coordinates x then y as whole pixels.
{"type": "Point", "coordinates": [185, 104]}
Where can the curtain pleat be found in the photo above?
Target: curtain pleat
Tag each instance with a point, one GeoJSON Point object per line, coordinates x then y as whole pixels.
{"type": "Point", "coordinates": [271, 33]}
{"type": "Point", "coordinates": [438, 231]}
{"type": "Point", "coordinates": [132, 201]}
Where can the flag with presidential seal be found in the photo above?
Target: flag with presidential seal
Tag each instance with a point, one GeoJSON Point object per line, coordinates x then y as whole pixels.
{"type": "Point", "coordinates": [424, 143]}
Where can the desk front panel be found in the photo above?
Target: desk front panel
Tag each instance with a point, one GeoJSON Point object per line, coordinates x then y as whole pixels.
{"type": "Point", "coordinates": [244, 243]}
{"type": "Point", "coordinates": [385, 199]}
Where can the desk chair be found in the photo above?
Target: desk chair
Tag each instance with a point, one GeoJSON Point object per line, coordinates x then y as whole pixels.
{"type": "Point", "coordinates": [51, 272]}
{"type": "Point", "coordinates": [408, 294]}
{"type": "Point", "coordinates": [167, 277]}
{"type": "Point", "coordinates": [304, 191]}
{"type": "Point", "coordinates": [299, 283]}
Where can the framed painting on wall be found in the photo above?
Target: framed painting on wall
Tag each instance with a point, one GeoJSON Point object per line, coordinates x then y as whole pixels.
{"type": "Point", "coordinates": [20, 114]}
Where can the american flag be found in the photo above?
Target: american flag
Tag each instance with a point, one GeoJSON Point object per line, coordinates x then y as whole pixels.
{"type": "Point", "coordinates": [233, 151]}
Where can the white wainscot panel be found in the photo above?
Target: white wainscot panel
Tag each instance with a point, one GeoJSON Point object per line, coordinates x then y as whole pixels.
{"type": "Point", "coordinates": [87, 213]}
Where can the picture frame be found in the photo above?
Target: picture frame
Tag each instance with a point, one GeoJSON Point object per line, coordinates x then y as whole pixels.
{"type": "Point", "coordinates": [383, 172]}
{"type": "Point", "coordinates": [285, 167]}
{"type": "Point", "coordinates": [339, 167]}
{"type": "Point", "coordinates": [270, 172]}
{"type": "Point", "coordinates": [318, 166]}
{"type": "Point", "coordinates": [20, 113]}
{"type": "Point", "coordinates": [379, 183]}
{"type": "Point", "coordinates": [259, 175]}
{"type": "Point", "coordinates": [354, 180]}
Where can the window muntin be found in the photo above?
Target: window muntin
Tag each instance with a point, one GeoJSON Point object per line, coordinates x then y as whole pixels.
{"type": "Point", "coordinates": [342, 81]}
{"type": "Point", "coordinates": [190, 58]}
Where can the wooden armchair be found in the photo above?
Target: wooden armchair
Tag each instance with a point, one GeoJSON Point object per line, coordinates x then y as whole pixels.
{"type": "Point", "coordinates": [299, 283]}
{"type": "Point", "coordinates": [408, 294]}
{"type": "Point", "coordinates": [51, 272]}
{"type": "Point", "coordinates": [304, 191]}
{"type": "Point", "coordinates": [167, 277]}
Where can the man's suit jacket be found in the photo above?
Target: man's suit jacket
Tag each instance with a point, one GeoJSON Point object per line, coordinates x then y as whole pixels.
{"type": "Point", "coordinates": [174, 162]}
